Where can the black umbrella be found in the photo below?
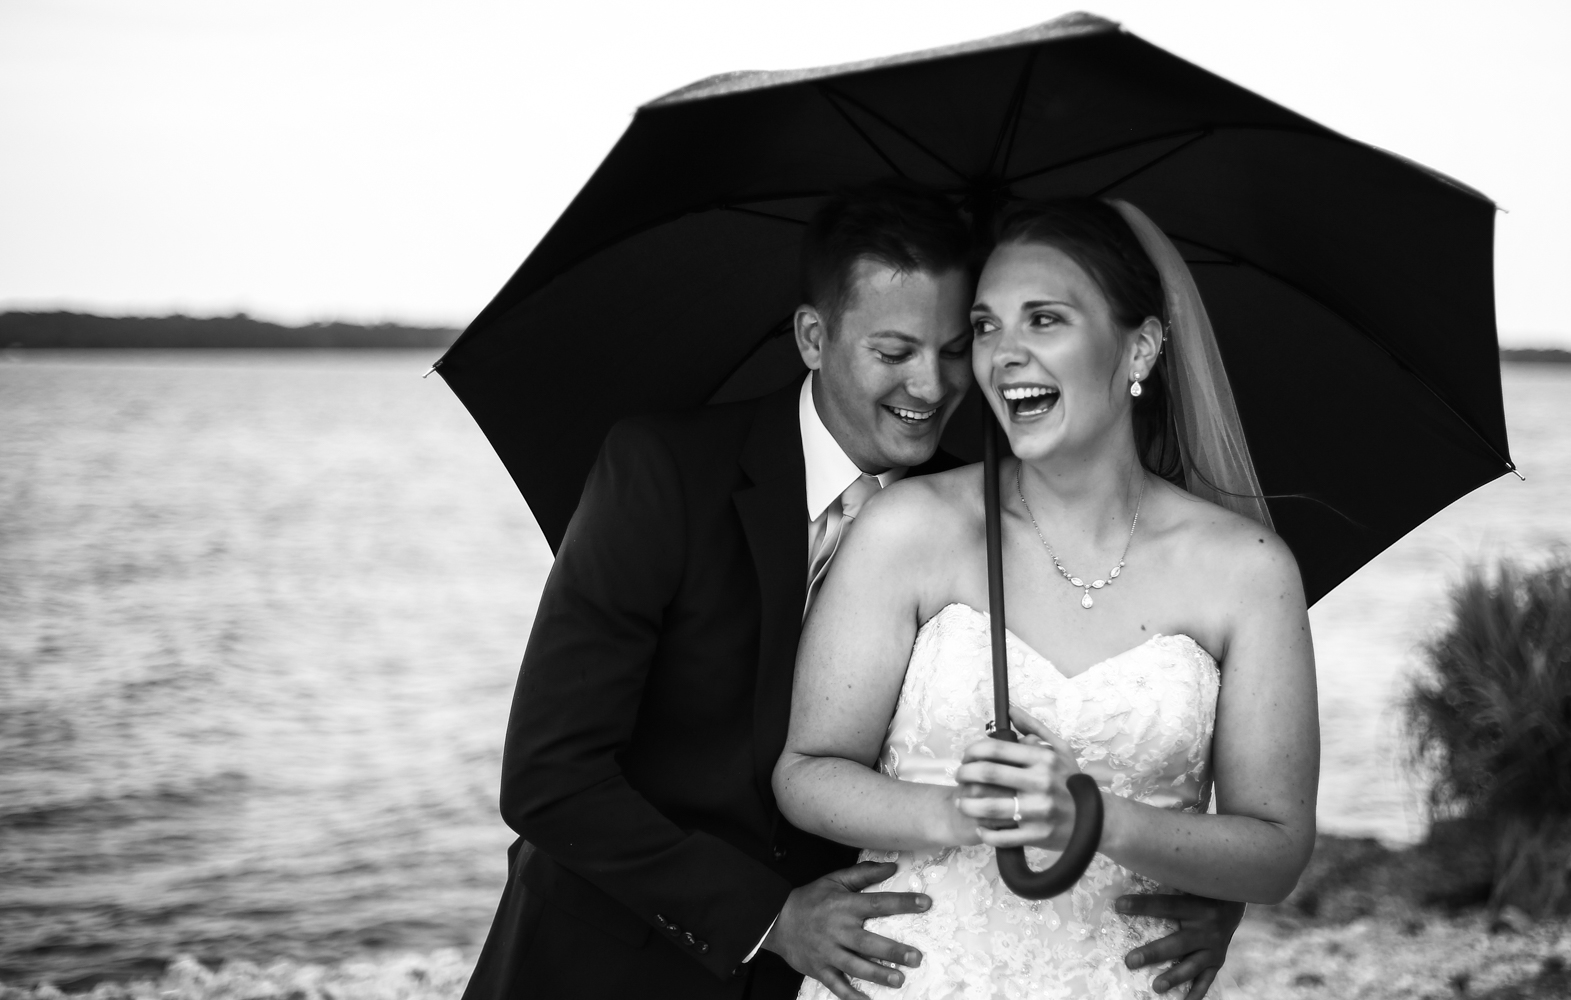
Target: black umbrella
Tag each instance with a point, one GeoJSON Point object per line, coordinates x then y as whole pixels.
{"type": "Point", "coordinates": [1350, 290]}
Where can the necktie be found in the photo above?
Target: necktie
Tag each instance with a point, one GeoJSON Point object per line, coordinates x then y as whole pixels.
{"type": "Point", "coordinates": [851, 501]}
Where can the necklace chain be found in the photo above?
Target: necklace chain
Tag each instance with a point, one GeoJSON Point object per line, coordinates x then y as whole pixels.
{"type": "Point", "coordinates": [1075, 581]}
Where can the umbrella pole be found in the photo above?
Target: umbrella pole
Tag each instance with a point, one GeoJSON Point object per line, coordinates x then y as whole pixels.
{"type": "Point", "coordinates": [1002, 730]}
{"type": "Point", "coordinates": [1087, 834]}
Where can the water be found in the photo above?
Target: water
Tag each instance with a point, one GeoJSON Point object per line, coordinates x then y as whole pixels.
{"type": "Point", "coordinates": [260, 616]}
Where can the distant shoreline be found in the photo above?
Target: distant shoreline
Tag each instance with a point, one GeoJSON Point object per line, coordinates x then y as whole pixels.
{"type": "Point", "coordinates": [1536, 355]}
{"type": "Point", "coordinates": [56, 330]}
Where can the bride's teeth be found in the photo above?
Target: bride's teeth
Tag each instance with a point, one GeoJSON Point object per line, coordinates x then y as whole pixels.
{"type": "Point", "coordinates": [1014, 393]}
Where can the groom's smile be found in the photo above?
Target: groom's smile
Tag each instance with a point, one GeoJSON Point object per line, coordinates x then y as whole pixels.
{"type": "Point", "coordinates": [911, 416]}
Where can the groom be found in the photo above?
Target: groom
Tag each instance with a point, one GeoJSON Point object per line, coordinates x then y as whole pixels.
{"type": "Point", "coordinates": [655, 691]}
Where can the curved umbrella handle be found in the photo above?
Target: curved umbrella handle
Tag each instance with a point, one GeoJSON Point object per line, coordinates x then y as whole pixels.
{"type": "Point", "coordinates": [1066, 871]}
{"type": "Point", "coordinates": [1087, 834]}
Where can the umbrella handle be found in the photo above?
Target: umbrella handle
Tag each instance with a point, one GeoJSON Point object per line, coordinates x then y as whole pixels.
{"type": "Point", "coordinates": [1066, 871]}
{"type": "Point", "coordinates": [1087, 834]}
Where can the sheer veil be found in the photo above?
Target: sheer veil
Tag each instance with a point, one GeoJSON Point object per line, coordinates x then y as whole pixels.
{"type": "Point", "coordinates": [1211, 441]}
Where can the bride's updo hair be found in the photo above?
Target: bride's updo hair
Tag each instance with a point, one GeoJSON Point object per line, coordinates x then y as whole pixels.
{"type": "Point", "coordinates": [1094, 235]}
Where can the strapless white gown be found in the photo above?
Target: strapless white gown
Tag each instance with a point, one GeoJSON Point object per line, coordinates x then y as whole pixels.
{"type": "Point", "coordinates": [1140, 723]}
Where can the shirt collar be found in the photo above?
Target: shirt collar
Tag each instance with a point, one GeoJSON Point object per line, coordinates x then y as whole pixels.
{"type": "Point", "coordinates": [829, 469]}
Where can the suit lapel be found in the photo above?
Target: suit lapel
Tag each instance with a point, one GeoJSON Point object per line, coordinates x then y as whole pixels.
{"type": "Point", "coordinates": [773, 510]}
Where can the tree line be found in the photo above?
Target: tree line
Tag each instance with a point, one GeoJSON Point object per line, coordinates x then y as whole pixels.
{"type": "Point", "coordinates": [70, 329]}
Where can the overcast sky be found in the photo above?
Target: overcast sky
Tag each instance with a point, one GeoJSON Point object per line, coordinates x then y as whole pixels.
{"type": "Point", "coordinates": [398, 159]}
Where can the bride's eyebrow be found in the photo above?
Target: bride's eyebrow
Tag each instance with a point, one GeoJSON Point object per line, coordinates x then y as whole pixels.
{"type": "Point", "coordinates": [1038, 303]}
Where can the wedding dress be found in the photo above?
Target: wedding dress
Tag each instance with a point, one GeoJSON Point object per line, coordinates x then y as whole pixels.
{"type": "Point", "coordinates": [1139, 722]}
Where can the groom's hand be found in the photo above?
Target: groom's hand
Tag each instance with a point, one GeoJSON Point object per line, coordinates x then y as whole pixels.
{"type": "Point", "coordinates": [1205, 929]}
{"type": "Point", "coordinates": [820, 934]}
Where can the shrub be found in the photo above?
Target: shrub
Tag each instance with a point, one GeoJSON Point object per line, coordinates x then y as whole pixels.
{"type": "Point", "coordinates": [1491, 723]}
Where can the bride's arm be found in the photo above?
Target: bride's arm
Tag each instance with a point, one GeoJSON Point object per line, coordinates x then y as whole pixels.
{"type": "Point", "coordinates": [1265, 757]}
{"type": "Point", "coordinates": [849, 670]}
{"type": "Point", "coordinates": [1265, 754]}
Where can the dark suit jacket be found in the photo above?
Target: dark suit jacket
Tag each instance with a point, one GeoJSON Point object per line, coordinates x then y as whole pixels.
{"type": "Point", "coordinates": [650, 710]}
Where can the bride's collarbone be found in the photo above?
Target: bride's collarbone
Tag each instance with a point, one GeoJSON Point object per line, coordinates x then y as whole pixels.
{"type": "Point", "coordinates": [1073, 647]}
{"type": "Point", "coordinates": [1158, 591]}
{"type": "Point", "coordinates": [1048, 616]}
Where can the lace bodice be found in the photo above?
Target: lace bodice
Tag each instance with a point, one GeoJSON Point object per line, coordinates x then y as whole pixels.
{"type": "Point", "coordinates": [1140, 723]}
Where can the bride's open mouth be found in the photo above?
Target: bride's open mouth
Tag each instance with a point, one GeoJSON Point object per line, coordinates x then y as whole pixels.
{"type": "Point", "coordinates": [910, 416]}
{"type": "Point", "coordinates": [1026, 401]}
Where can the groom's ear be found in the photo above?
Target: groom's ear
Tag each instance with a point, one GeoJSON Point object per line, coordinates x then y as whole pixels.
{"type": "Point", "coordinates": [811, 332]}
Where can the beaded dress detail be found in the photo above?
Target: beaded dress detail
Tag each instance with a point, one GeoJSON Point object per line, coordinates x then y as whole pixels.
{"type": "Point", "coordinates": [1140, 724]}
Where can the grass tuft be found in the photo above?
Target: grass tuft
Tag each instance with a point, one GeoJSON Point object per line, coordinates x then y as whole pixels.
{"type": "Point", "coordinates": [1491, 725]}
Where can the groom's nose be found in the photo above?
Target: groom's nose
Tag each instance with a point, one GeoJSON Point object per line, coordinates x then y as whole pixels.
{"type": "Point", "coordinates": [925, 381]}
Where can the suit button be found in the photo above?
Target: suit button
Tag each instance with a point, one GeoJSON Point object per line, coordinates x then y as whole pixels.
{"type": "Point", "coordinates": [688, 937]}
{"type": "Point", "coordinates": [703, 947]}
{"type": "Point", "coordinates": [780, 853]}
{"type": "Point", "coordinates": [736, 971]}
{"type": "Point", "coordinates": [661, 920]}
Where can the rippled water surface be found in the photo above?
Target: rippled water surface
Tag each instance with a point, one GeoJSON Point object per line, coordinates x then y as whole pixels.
{"type": "Point", "coordinates": [260, 615]}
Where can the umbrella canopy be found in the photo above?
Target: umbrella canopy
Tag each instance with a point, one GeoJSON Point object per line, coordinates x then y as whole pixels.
{"type": "Point", "coordinates": [1351, 290]}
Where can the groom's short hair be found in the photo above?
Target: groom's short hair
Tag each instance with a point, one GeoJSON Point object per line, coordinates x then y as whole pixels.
{"type": "Point", "coordinates": [899, 225]}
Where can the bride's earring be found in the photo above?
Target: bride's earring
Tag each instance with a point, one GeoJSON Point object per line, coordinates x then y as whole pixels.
{"type": "Point", "coordinates": [1134, 386]}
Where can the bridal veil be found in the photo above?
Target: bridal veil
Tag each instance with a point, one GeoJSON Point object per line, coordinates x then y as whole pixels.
{"type": "Point", "coordinates": [1211, 440]}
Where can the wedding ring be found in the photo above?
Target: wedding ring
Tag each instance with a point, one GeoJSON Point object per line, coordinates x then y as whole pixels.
{"type": "Point", "coordinates": [1018, 817]}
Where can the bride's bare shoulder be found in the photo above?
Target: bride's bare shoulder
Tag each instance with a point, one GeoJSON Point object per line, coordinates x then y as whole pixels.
{"type": "Point", "coordinates": [1225, 542]}
{"type": "Point", "coordinates": [931, 507]}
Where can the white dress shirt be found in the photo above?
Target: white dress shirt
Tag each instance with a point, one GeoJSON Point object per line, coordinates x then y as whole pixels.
{"type": "Point", "coordinates": [829, 472]}
{"type": "Point", "coordinates": [829, 469]}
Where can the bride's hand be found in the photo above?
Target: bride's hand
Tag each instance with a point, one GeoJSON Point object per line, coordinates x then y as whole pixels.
{"type": "Point", "coordinates": [996, 778]}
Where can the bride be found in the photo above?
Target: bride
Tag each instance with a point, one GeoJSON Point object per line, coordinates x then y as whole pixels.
{"type": "Point", "coordinates": [1158, 638]}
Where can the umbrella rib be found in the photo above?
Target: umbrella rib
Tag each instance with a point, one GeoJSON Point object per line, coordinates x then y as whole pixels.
{"type": "Point", "coordinates": [780, 329]}
{"type": "Point", "coordinates": [1075, 161]}
{"type": "Point", "coordinates": [1011, 124]}
{"type": "Point", "coordinates": [834, 96]}
{"type": "Point", "coordinates": [1400, 361]}
{"type": "Point", "coordinates": [764, 215]}
{"type": "Point", "coordinates": [1151, 163]}
{"type": "Point", "coordinates": [1144, 140]}
{"type": "Point", "coordinates": [488, 316]}
{"type": "Point", "coordinates": [891, 164]}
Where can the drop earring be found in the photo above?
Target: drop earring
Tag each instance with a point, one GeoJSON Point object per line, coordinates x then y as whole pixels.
{"type": "Point", "coordinates": [1134, 386]}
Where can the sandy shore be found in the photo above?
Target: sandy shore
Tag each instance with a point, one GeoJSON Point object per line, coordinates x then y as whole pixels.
{"type": "Point", "coordinates": [1370, 923]}
{"type": "Point", "coordinates": [1368, 959]}
{"type": "Point", "coordinates": [1376, 959]}
{"type": "Point", "coordinates": [1366, 923]}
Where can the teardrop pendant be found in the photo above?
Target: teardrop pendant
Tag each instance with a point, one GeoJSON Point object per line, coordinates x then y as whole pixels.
{"type": "Point", "coordinates": [1085, 600]}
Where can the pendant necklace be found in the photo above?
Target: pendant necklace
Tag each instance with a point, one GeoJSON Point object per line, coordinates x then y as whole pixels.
{"type": "Point", "coordinates": [1085, 598]}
